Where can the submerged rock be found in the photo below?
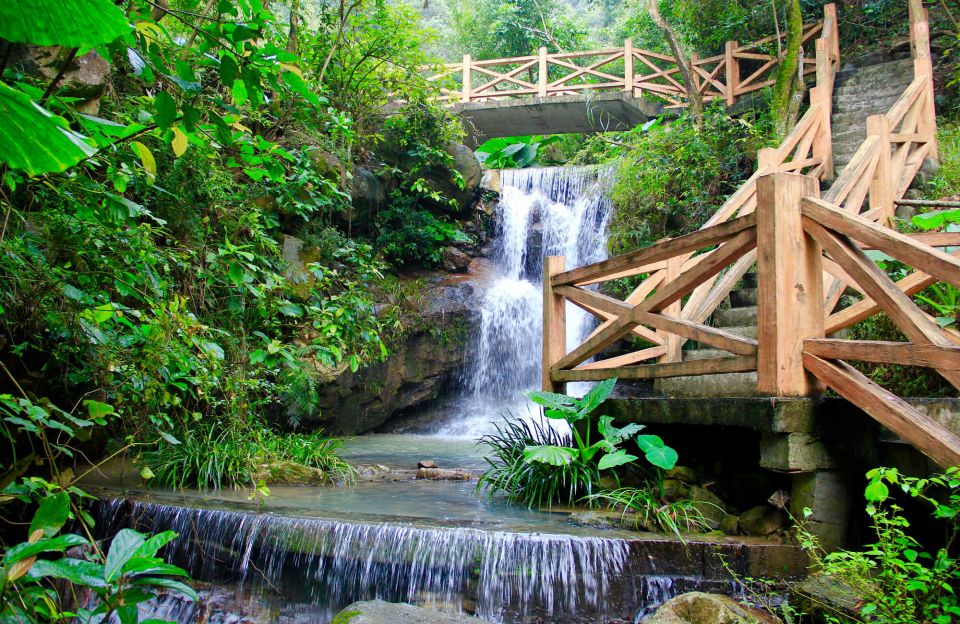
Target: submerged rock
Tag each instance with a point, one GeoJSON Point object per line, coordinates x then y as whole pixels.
{"type": "Point", "coordinates": [380, 612]}
{"type": "Point", "coordinates": [444, 474]}
{"type": "Point", "coordinates": [703, 608]}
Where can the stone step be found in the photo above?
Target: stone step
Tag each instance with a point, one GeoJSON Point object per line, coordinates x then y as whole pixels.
{"type": "Point", "coordinates": [869, 94]}
{"type": "Point", "coordinates": [743, 297]}
{"type": "Point", "coordinates": [747, 331]}
{"type": "Point", "coordinates": [894, 78]}
{"type": "Point", "coordinates": [864, 106]}
{"type": "Point", "coordinates": [704, 354]}
{"type": "Point", "coordinates": [901, 69]}
{"type": "Point", "coordinates": [731, 317]}
{"type": "Point", "coordinates": [725, 385]}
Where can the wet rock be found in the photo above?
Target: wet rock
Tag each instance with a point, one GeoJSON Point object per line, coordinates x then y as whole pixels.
{"type": "Point", "coordinates": [297, 257]}
{"type": "Point", "coordinates": [672, 489]}
{"type": "Point", "coordinates": [703, 608]}
{"type": "Point", "coordinates": [418, 366]}
{"type": "Point", "coordinates": [428, 463]}
{"type": "Point", "coordinates": [439, 179]}
{"type": "Point", "coordinates": [369, 195]}
{"type": "Point", "coordinates": [708, 504]}
{"type": "Point", "coordinates": [380, 612]}
{"type": "Point", "coordinates": [454, 260]}
{"type": "Point", "coordinates": [598, 519]}
{"type": "Point", "coordinates": [444, 474]}
{"type": "Point", "coordinates": [730, 524]}
{"type": "Point", "coordinates": [761, 521]}
{"type": "Point", "coordinates": [683, 474]}
{"type": "Point", "coordinates": [490, 181]}
{"type": "Point", "coordinates": [825, 595]}
{"type": "Point", "coordinates": [326, 164]}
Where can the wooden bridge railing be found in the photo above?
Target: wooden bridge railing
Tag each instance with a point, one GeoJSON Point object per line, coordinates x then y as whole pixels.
{"type": "Point", "coordinates": [741, 69]}
{"type": "Point", "coordinates": [807, 251]}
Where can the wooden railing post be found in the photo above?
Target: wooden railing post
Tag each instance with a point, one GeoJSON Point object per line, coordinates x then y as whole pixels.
{"type": "Point", "coordinates": [733, 71]}
{"type": "Point", "coordinates": [822, 94]}
{"type": "Point", "coordinates": [768, 158]}
{"type": "Point", "coordinates": [789, 274]}
{"type": "Point", "coordinates": [672, 341]}
{"type": "Point", "coordinates": [883, 186]}
{"type": "Point", "coordinates": [543, 75]}
{"type": "Point", "coordinates": [628, 66]}
{"type": "Point", "coordinates": [467, 78]}
{"type": "Point", "coordinates": [554, 324]}
{"type": "Point", "coordinates": [923, 66]}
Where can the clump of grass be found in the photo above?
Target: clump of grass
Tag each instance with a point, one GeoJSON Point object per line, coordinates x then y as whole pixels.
{"type": "Point", "coordinates": [534, 484]}
{"type": "Point", "coordinates": [213, 457]}
{"type": "Point", "coordinates": [650, 512]}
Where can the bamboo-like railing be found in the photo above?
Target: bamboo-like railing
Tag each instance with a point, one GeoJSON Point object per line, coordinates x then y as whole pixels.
{"type": "Point", "coordinates": [741, 69]}
{"type": "Point", "coordinates": [807, 250]}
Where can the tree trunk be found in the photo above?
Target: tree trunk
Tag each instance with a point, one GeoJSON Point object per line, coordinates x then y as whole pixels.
{"type": "Point", "coordinates": [789, 89]}
{"type": "Point", "coordinates": [294, 24]}
{"type": "Point", "coordinates": [695, 105]}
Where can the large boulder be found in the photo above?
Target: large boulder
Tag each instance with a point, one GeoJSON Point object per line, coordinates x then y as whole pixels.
{"type": "Point", "coordinates": [417, 369]}
{"type": "Point", "coordinates": [86, 76]}
{"type": "Point", "coordinates": [380, 612]}
{"type": "Point", "coordinates": [464, 162]}
{"type": "Point", "coordinates": [369, 196]}
{"type": "Point", "coordinates": [703, 608]}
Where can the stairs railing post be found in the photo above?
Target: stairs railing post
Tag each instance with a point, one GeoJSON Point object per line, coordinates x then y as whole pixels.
{"type": "Point", "coordinates": [554, 324]}
{"type": "Point", "coordinates": [542, 74]}
{"type": "Point", "coordinates": [628, 66]}
{"type": "Point", "coordinates": [672, 341]}
{"type": "Point", "coordinates": [732, 71]}
{"type": "Point", "coordinates": [923, 66]}
{"type": "Point", "coordinates": [467, 78]}
{"type": "Point", "coordinates": [790, 285]}
{"type": "Point", "coordinates": [882, 188]}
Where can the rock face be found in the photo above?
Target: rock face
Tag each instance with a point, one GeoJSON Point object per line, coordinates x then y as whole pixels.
{"type": "Point", "coordinates": [702, 608]}
{"type": "Point", "coordinates": [380, 612]}
{"type": "Point", "coordinates": [369, 194]}
{"type": "Point", "coordinates": [439, 179]}
{"type": "Point", "coordinates": [416, 370]}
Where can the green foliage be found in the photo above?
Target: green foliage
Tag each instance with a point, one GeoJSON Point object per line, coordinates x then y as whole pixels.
{"type": "Point", "coordinates": [671, 177]}
{"type": "Point", "coordinates": [899, 578]}
{"type": "Point", "coordinates": [41, 576]}
{"type": "Point", "coordinates": [512, 152]}
{"type": "Point", "coordinates": [534, 464]}
{"type": "Point", "coordinates": [411, 235]}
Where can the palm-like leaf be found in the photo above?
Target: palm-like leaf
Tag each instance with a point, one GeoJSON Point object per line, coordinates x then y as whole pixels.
{"type": "Point", "coordinates": [69, 23]}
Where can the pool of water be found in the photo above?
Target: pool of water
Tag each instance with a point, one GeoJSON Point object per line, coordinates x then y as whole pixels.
{"type": "Point", "coordinates": [404, 451]}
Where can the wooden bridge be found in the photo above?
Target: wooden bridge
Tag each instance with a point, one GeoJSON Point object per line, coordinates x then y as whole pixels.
{"type": "Point", "coordinates": [609, 89]}
{"type": "Point", "coordinates": [807, 249]}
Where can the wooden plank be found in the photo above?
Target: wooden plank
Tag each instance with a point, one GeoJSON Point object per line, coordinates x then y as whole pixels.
{"type": "Point", "coordinates": [628, 65]}
{"type": "Point", "coordinates": [713, 336]}
{"type": "Point", "coordinates": [542, 73]}
{"type": "Point", "coordinates": [732, 70]}
{"type": "Point", "coordinates": [624, 360]}
{"type": "Point", "coordinates": [909, 285]}
{"type": "Point", "coordinates": [641, 332]}
{"type": "Point", "coordinates": [885, 352]}
{"type": "Point", "coordinates": [851, 174]}
{"type": "Point", "coordinates": [790, 288]}
{"type": "Point", "coordinates": [657, 371]}
{"type": "Point", "coordinates": [926, 435]}
{"type": "Point", "coordinates": [899, 109]}
{"type": "Point", "coordinates": [922, 257]}
{"type": "Point", "coordinates": [554, 324]}
{"type": "Point", "coordinates": [704, 301]}
{"type": "Point", "coordinates": [467, 78]}
{"type": "Point", "coordinates": [659, 251]}
{"type": "Point", "coordinates": [916, 325]}
{"type": "Point", "coordinates": [671, 340]}
{"type": "Point", "coordinates": [933, 239]}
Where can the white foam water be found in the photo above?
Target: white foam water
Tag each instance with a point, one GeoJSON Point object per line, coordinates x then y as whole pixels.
{"type": "Point", "coordinates": [551, 211]}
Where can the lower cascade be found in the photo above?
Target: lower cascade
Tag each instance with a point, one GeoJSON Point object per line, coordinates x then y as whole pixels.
{"type": "Point", "coordinates": [327, 564]}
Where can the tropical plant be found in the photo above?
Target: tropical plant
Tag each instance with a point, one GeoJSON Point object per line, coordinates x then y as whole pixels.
{"type": "Point", "coordinates": [606, 451]}
{"type": "Point", "coordinates": [532, 483]}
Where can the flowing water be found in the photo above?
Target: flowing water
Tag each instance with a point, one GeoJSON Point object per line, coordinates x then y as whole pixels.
{"type": "Point", "coordinates": [552, 211]}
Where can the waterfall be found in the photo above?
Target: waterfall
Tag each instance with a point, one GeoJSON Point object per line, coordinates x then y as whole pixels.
{"type": "Point", "coordinates": [330, 563]}
{"type": "Point", "coordinates": [552, 211]}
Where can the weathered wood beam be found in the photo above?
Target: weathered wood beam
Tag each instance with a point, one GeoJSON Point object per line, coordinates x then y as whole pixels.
{"type": "Point", "coordinates": [657, 371]}
{"type": "Point", "coordinates": [885, 352]}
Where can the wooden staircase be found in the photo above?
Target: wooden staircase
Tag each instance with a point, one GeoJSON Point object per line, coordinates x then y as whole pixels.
{"type": "Point", "coordinates": [808, 248]}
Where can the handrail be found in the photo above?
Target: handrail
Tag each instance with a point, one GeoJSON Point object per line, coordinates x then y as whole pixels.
{"type": "Point", "coordinates": [740, 69]}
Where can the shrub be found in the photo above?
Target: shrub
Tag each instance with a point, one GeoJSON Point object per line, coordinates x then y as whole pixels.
{"type": "Point", "coordinates": [673, 176]}
{"type": "Point", "coordinates": [410, 235]}
{"type": "Point", "coordinates": [651, 512]}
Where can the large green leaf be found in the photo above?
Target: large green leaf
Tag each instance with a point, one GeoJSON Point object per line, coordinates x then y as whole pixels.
{"type": "Point", "coordinates": [597, 395]}
{"type": "Point", "coordinates": [33, 140]}
{"type": "Point", "coordinates": [52, 514]}
{"type": "Point", "coordinates": [548, 454]}
{"type": "Point", "coordinates": [612, 460]}
{"type": "Point", "coordinates": [29, 549]}
{"type": "Point", "coordinates": [69, 23]}
{"type": "Point", "coordinates": [124, 546]}
{"type": "Point", "coordinates": [76, 571]}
